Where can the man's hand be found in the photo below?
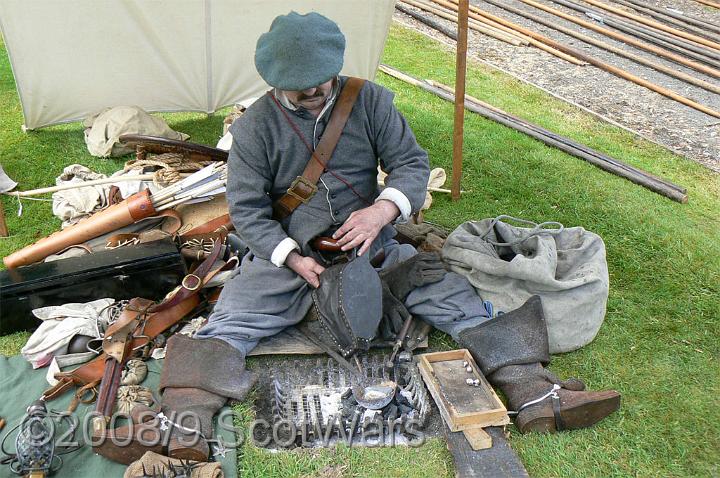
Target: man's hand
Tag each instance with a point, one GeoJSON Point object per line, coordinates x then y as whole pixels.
{"type": "Point", "coordinates": [306, 267]}
{"type": "Point", "coordinates": [363, 226]}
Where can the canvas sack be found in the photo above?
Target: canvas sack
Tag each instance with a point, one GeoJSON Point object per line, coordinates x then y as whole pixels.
{"type": "Point", "coordinates": [566, 267]}
{"type": "Point", "coordinates": [104, 128]}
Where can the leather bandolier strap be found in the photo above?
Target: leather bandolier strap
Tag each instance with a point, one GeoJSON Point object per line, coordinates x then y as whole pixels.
{"type": "Point", "coordinates": [156, 319]}
{"type": "Point", "coordinates": [304, 187]}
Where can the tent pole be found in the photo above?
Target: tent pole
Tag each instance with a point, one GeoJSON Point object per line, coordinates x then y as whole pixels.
{"type": "Point", "coordinates": [3, 226]}
{"type": "Point", "coordinates": [460, 67]}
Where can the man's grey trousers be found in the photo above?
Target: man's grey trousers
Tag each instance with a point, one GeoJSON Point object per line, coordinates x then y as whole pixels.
{"type": "Point", "coordinates": [260, 300]}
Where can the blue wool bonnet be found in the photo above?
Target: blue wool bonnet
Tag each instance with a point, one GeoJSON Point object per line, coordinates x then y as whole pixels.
{"type": "Point", "coordinates": [300, 51]}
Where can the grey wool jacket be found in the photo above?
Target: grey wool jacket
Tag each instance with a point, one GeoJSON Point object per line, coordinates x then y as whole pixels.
{"type": "Point", "coordinates": [267, 155]}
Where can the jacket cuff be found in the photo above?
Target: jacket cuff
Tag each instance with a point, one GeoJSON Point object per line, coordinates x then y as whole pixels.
{"type": "Point", "coordinates": [281, 251]}
{"type": "Point", "coordinates": [400, 200]}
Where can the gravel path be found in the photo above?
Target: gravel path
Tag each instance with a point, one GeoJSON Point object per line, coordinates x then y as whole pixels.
{"type": "Point", "coordinates": [686, 131]}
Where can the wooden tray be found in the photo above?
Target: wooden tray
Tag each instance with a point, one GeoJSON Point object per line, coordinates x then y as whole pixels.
{"type": "Point", "coordinates": [463, 407]}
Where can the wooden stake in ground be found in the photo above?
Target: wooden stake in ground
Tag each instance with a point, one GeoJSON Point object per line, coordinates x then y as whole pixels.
{"type": "Point", "coordinates": [3, 226]}
{"type": "Point", "coordinates": [460, 69]}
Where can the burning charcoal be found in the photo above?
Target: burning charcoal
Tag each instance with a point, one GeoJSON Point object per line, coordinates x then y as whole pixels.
{"type": "Point", "coordinates": [311, 398]}
{"type": "Point", "coordinates": [390, 412]}
{"type": "Point", "coordinates": [405, 409]}
{"type": "Point", "coordinates": [402, 400]}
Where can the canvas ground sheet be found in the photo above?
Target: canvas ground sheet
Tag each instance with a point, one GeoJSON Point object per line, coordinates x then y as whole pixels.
{"type": "Point", "coordinates": [20, 385]}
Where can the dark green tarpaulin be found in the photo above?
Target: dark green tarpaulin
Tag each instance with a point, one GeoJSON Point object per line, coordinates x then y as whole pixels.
{"type": "Point", "coordinates": [20, 385]}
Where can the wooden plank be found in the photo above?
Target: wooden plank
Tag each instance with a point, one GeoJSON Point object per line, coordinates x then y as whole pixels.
{"type": "Point", "coordinates": [293, 342]}
{"type": "Point", "coordinates": [499, 461]}
{"type": "Point", "coordinates": [478, 438]}
{"type": "Point", "coordinates": [461, 406]}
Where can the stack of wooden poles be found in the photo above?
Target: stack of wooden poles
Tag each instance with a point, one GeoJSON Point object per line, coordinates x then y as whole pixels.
{"type": "Point", "coordinates": [667, 34]}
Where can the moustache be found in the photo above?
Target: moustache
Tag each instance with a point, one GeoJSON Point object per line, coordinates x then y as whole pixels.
{"type": "Point", "coordinates": [306, 97]}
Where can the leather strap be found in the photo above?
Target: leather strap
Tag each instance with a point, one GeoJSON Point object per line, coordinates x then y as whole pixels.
{"type": "Point", "coordinates": [191, 283]}
{"type": "Point", "coordinates": [559, 422]}
{"type": "Point", "coordinates": [159, 318]}
{"type": "Point", "coordinates": [223, 222]}
{"type": "Point", "coordinates": [304, 187]}
{"type": "Point", "coordinates": [154, 325]}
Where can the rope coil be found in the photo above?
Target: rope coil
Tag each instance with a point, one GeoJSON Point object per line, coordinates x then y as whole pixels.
{"type": "Point", "coordinates": [170, 165]}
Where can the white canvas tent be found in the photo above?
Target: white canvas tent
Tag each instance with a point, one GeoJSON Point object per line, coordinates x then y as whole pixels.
{"type": "Point", "coordinates": [71, 58]}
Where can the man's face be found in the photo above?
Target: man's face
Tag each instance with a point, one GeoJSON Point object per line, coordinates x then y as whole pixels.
{"type": "Point", "coordinates": [311, 98]}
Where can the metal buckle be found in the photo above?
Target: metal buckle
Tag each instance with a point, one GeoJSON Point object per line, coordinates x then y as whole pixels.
{"type": "Point", "coordinates": [304, 181]}
{"type": "Point", "coordinates": [196, 286]}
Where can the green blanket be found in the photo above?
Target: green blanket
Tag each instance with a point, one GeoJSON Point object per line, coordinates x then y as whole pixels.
{"type": "Point", "coordinates": [20, 385]}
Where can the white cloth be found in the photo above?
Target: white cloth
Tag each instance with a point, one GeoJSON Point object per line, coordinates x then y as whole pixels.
{"type": "Point", "coordinates": [436, 180]}
{"type": "Point", "coordinates": [105, 127]}
{"type": "Point", "coordinates": [6, 183]}
{"type": "Point", "coordinates": [71, 205]}
{"type": "Point", "coordinates": [128, 188]}
{"type": "Point", "coordinates": [60, 324]}
{"type": "Point", "coordinates": [401, 201]}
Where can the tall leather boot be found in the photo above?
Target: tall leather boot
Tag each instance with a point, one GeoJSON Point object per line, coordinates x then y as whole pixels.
{"type": "Point", "coordinates": [512, 351]}
{"type": "Point", "coordinates": [198, 377]}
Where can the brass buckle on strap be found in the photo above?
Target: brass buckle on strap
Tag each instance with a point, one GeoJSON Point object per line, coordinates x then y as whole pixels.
{"type": "Point", "coordinates": [302, 180]}
{"type": "Point", "coordinates": [193, 287]}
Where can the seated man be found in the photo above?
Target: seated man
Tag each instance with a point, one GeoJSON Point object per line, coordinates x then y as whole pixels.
{"type": "Point", "coordinates": [301, 57]}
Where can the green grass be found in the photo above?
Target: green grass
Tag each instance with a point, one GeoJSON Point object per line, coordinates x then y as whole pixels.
{"type": "Point", "coordinates": [659, 343]}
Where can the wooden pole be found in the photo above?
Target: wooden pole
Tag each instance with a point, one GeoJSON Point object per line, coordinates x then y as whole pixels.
{"type": "Point", "coordinates": [683, 20]}
{"type": "Point", "coordinates": [533, 41]}
{"type": "Point", "coordinates": [596, 62]}
{"type": "Point", "coordinates": [654, 24]}
{"type": "Point", "coordinates": [460, 69]}
{"type": "Point", "coordinates": [477, 26]}
{"type": "Point", "coordinates": [611, 48]}
{"type": "Point", "coordinates": [3, 226]}
{"type": "Point", "coordinates": [623, 38]}
{"type": "Point", "coordinates": [709, 3]}
{"type": "Point", "coordinates": [614, 166]}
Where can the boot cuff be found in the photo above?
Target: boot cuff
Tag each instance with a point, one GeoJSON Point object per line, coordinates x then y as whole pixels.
{"type": "Point", "coordinates": [515, 338]}
{"type": "Point", "coordinates": [210, 364]}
